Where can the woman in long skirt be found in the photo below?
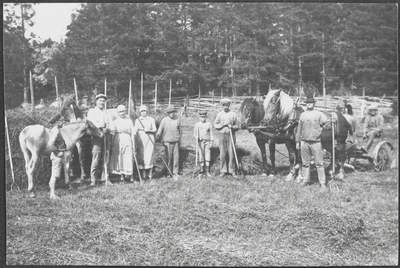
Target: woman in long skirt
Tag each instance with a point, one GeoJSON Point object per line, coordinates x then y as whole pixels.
{"type": "Point", "coordinates": [123, 149]}
{"type": "Point", "coordinates": [146, 127]}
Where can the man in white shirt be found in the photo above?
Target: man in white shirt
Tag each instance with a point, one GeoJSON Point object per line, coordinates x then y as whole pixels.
{"type": "Point", "coordinates": [226, 124]}
{"type": "Point", "coordinates": [99, 117]}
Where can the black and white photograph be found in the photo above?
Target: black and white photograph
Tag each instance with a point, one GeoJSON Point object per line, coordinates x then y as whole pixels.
{"type": "Point", "coordinates": [201, 134]}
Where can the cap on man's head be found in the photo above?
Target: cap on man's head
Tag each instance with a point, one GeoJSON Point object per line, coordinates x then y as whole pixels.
{"type": "Point", "coordinates": [121, 108]}
{"type": "Point", "coordinates": [142, 108]}
{"type": "Point", "coordinates": [101, 96]}
{"type": "Point", "coordinates": [203, 112]}
{"type": "Point", "coordinates": [373, 107]}
{"type": "Point", "coordinates": [171, 108]}
{"type": "Point", "coordinates": [225, 101]}
{"type": "Point", "coordinates": [310, 99]}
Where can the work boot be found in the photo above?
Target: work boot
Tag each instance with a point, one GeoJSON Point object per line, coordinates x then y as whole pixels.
{"type": "Point", "coordinates": [321, 175]}
{"type": "Point", "coordinates": [306, 176]}
{"type": "Point", "coordinates": [93, 181]}
{"type": "Point", "coordinates": [324, 189]}
{"type": "Point", "coordinates": [208, 172]}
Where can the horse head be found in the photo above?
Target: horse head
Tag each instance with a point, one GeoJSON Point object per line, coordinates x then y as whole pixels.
{"type": "Point", "coordinates": [92, 130]}
{"type": "Point", "coordinates": [245, 111]}
{"type": "Point", "coordinates": [251, 112]}
{"type": "Point", "coordinates": [272, 105]}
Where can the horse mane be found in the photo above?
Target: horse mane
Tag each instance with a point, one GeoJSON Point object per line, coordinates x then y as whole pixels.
{"type": "Point", "coordinates": [349, 109]}
{"type": "Point", "coordinates": [286, 105]}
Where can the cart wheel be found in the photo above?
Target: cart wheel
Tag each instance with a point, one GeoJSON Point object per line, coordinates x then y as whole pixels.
{"type": "Point", "coordinates": [384, 156]}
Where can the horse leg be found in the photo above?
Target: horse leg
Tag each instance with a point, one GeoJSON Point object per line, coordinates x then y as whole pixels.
{"type": "Point", "coordinates": [341, 147]}
{"type": "Point", "coordinates": [80, 156]}
{"type": "Point", "coordinates": [29, 171]}
{"type": "Point", "coordinates": [261, 145]}
{"type": "Point", "coordinates": [291, 147]}
{"type": "Point", "coordinates": [272, 157]}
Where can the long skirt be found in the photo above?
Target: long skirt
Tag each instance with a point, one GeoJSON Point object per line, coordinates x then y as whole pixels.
{"type": "Point", "coordinates": [145, 150]}
{"type": "Point", "coordinates": [121, 160]}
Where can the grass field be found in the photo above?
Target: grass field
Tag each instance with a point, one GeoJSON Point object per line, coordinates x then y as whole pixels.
{"type": "Point", "coordinates": [249, 221]}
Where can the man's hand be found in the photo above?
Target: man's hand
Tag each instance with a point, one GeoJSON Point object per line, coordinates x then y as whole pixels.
{"type": "Point", "coordinates": [105, 130]}
{"type": "Point", "coordinates": [297, 145]}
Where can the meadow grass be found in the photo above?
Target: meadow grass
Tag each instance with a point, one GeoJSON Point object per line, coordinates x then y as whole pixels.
{"type": "Point", "coordinates": [249, 221]}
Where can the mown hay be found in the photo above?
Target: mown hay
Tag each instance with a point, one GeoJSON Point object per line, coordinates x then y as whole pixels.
{"type": "Point", "coordinates": [337, 232]}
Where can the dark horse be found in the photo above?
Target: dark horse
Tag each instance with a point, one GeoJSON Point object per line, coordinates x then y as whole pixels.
{"type": "Point", "coordinates": [252, 118]}
{"type": "Point", "coordinates": [278, 107]}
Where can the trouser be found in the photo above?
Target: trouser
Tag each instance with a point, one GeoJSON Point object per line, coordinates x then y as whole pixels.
{"type": "Point", "coordinates": [371, 136]}
{"type": "Point", "coordinates": [226, 149]}
{"type": "Point", "coordinates": [205, 152]}
{"type": "Point", "coordinates": [97, 156]}
{"type": "Point", "coordinates": [309, 149]}
{"type": "Point", "coordinates": [172, 154]}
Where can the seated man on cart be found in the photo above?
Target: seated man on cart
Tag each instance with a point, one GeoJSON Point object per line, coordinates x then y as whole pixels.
{"type": "Point", "coordinates": [372, 127]}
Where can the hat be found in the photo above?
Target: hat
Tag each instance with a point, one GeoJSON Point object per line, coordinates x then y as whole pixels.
{"type": "Point", "coordinates": [142, 108]}
{"type": "Point", "coordinates": [310, 99]}
{"type": "Point", "coordinates": [224, 101]}
{"type": "Point", "coordinates": [121, 108]}
{"type": "Point", "coordinates": [101, 96]}
{"type": "Point", "coordinates": [171, 108]}
{"type": "Point", "coordinates": [373, 107]}
{"type": "Point", "coordinates": [203, 112]}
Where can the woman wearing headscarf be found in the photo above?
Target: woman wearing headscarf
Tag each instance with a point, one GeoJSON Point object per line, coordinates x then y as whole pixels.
{"type": "Point", "coordinates": [146, 127]}
{"type": "Point", "coordinates": [124, 147]}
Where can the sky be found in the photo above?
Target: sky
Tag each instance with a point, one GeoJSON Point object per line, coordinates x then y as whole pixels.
{"type": "Point", "coordinates": [51, 20]}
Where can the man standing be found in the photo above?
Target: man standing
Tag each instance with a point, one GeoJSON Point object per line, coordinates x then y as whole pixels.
{"type": "Point", "coordinates": [99, 117]}
{"type": "Point", "coordinates": [308, 136]}
{"type": "Point", "coordinates": [170, 133]}
{"type": "Point", "coordinates": [225, 123]}
{"type": "Point", "coordinates": [372, 127]}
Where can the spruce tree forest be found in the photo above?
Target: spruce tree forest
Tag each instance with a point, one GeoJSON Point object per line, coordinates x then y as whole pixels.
{"type": "Point", "coordinates": [230, 48]}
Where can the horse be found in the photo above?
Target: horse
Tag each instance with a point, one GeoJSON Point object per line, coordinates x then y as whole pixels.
{"type": "Point", "coordinates": [278, 108]}
{"type": "Point", "coordinates": [34, 141]}
{"type": "Point", "coordinates": [71, 113]}
{"type": "Point", "coordinates": [252, 115]}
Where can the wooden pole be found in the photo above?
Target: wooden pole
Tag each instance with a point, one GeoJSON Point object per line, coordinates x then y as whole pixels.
{"type": "Point", "coordinates": [9, 152]}
{"type": "Point", "coordinates": [129, 98]}
{"type": "Point", "coordinates": [105, 171]}
{"type": "Point", "coordinates": [323, 69]}
{"type": "Point", "coordinates": [105, 91]}
{"type": "Point", "coordinates": [57, 97]}
{"type": "Point", "coordinates": [363, 103]}
{"type": "Point", "coordinates": [76, 92]}
{"type": "Point", "coordinates": [199, 98]}
{"type": "Point", "coordinates": [170, 89]}
{"type": "Point", "coordinates": [32, 95]}
{"type": "Point", "coordinates": [155, 99]}
{"type": "Point", "coordinates": [333, 146]}
{"type": "Point", "coordinates": [213, 98]}
{"type": "Point", "coordinates": [141, 89]}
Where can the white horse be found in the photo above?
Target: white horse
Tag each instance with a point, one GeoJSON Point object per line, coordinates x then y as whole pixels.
{"type": "Point", "coordinates": [34, 141]}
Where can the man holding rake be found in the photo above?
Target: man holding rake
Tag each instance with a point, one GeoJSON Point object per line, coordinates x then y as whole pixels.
{"type": "Point", "coordinates": [225, 123]}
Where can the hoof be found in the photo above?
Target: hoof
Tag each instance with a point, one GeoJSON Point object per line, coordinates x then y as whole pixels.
{"type": "Point", "coordinates": [54, 197]}
{"type": "Point", "coordinates": [271, 175]}
{"type": "Point", "coordinates": [340, 176]}
{"type": "Point", "coordinates": [289, 177]}
{"type": "Point", "coordinates": [264, 174]}
{"type": "Point", "coordinates": [32, 195]}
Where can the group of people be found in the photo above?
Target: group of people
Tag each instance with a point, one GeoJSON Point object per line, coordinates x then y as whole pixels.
{"type": "Point", "coordinates": [133, 144]}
